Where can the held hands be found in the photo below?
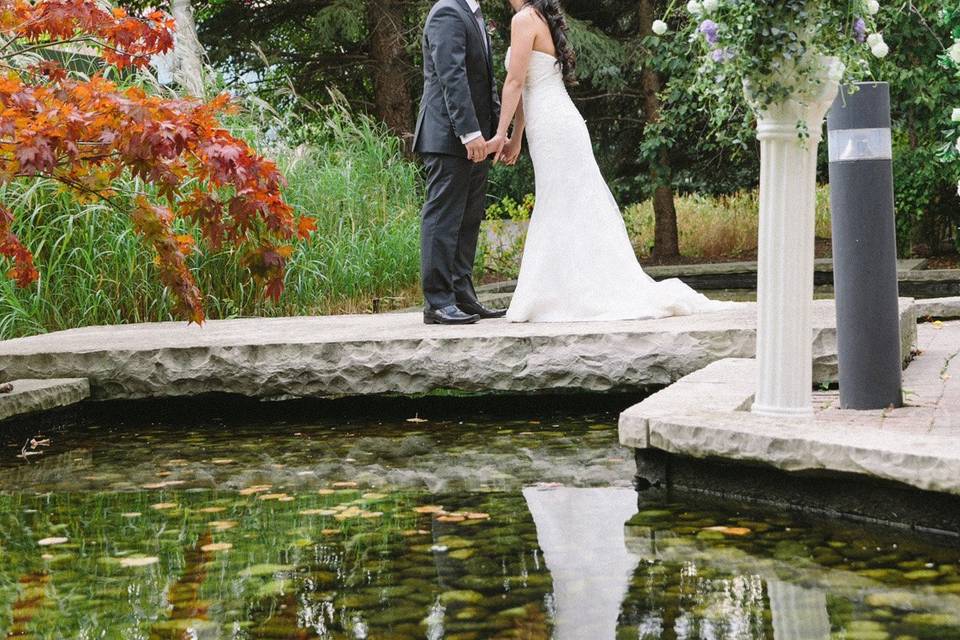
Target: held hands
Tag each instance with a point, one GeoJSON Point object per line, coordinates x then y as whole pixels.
{"type": "Point", "coordinates": [495, 146]}
{"type": "Point", "coordinates": [510, 152]}
{"type": "Point", "coordinates": [503, 149]}
{"type": "Point", "coordinates": [477, 149]}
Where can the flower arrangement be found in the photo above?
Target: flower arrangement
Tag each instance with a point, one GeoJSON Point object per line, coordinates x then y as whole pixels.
{"type": "Point", "coordinates": [777, 49]}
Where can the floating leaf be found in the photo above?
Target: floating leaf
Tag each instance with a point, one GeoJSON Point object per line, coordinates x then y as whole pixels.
{"type": "Point", "coordinates": [345, 485]}
{"type": "Point", "coordinates": [49, 542]}
{"type": "Point", "coordinates": [216, 546]}
{"type": "Point", "coordinates": [272, 496]}
{"type": "Point", "coordinates": [161, 506]}
{"type": "Point", "coordinates": [222, 525]}
{"type": "Point", "coordinates": [131, 514]}
{"type": "Point", "coordinates": [212, 510]}
{"type": "Point", "coordinates": [451, 518]}
{"type": "Point", "coordinates": [259, 488]}
{"type": "Point", "coordinates": [164, 484]}
{"type": "Point", "coordinates": [429, 508]}
{"type": "Point", "coordinates": [139, 561]}
{"type": "Point", "coordinates": [264, 570]}
{"type": "Point", "coordinates": [222, 461]}
{"type": "Point", "coordinates": [417, 419]}
{"type": "Point", "coordinates": [730, 531]}
{"type": "Point", "coordinates": [317, 512]}
{"type": "Point", "coordinates": [325, 492]}
{"type": "Point", "coordinates": [478, 516]}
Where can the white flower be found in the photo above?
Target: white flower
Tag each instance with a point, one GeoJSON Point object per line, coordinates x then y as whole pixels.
{"type": "Point", "coordinates": [958, 145]}
{"type": "Point", "coordinates": [874, 39]}
{"type": "Point", "coordinates": [873, 7]}
{"type": "Point", "coordinates": [956, 115]}
{"type": "Point", "coordinates": [711, 5]}
{"type": "Point", "coordinates": [954, 52]}
{"type": "Point", "coordinates": [694, 7]}
{"type": "Point", "coordinates": [659, 27]}
{"type": "Point", "coordinates": [958, 188]}
{"type": "Point", "coordinates": [880, 50]}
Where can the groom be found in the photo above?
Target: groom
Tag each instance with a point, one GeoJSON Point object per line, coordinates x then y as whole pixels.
{"type": "Point", "coordinates": [458, 113]}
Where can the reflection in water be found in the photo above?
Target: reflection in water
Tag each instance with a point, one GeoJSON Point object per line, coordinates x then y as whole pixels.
{"type": "Point", "coordinates": [581, 534]}
{"type": "Point", "coordinates": [339, 529]}
{"type": "Point", "coordinates": [798, 613]}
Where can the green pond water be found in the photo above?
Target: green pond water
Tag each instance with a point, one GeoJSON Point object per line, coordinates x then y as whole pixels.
{"type": "Point", "coordinates": [459, 524]}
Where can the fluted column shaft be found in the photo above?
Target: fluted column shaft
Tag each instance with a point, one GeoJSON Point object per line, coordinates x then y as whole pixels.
{"type": "Point", "coordinates": [786, 252]}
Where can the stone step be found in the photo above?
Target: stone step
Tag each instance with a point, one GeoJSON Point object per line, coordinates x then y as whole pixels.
{"type": "Point", "coordinates": [31, 395]}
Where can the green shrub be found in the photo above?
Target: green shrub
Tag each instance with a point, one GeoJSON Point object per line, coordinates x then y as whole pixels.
{"type": "Point", "coordinates": [347, 172]}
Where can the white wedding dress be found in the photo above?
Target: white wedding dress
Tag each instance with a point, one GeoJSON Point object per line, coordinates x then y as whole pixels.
{"type": "Point", "coordinates": [578, 263]}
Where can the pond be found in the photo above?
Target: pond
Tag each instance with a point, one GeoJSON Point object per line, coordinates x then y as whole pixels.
{"type": "Point", "coordinates": [440, 519]}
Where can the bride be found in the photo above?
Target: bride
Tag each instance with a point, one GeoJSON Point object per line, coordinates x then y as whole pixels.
{"type": "Point", "coordinates": [578, 263]}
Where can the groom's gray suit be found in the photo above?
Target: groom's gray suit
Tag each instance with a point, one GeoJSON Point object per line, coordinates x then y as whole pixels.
{"type": "Point", "coordinates": [459, 100]}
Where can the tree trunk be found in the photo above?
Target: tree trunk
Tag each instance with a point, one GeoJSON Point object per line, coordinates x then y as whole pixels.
{"type": "Point", "coordinates": [666, 243]}
{"type": "Point", "coordinates": [390, 65]}
{"type": "Point", "coordinates": [187, 50]}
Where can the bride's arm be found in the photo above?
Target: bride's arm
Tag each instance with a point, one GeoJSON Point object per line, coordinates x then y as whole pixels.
{"type": "Point", "coordinates": [511, 150]}
{"type": "Point", "coordinates": [519, 122]}
{"type": "Point", "coordinates": [522, 34]}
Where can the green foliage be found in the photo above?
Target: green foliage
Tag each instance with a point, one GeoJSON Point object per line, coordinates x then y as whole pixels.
{"type": "Point", "coordinates": [923, 94]}
{"type": "Point", "coordinates": [503, 236]}
{"type": "Point", "coordinates": [509, 209]}
{"type": "Point", "coordinates": [346, 171]}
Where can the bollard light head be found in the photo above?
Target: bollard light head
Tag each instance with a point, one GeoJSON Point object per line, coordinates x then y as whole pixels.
{"type": "Point", "coordinates": [847, 145]}
{"type": "Point", "coordinates": [858, 125]}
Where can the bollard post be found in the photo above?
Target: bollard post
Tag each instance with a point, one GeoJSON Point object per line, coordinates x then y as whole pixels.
{"type": "Point", "coordinates": [865, 248]}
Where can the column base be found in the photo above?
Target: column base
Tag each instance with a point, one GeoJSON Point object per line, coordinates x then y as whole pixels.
{"type": "Point", "coordinates": [782, 412]}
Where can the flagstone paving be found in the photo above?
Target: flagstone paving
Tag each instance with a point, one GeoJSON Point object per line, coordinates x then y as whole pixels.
{"type": "Point", "coordinates": [706, 415]}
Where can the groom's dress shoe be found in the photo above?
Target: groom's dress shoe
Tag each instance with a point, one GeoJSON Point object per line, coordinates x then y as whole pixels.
{"type": "Point", "coordinates": [475, 307]}
{"type": "Point", "coordinates": [448, 315]}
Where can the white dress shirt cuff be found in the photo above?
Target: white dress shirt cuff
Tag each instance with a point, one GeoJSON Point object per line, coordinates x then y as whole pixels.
{"type": "Point", "coordinates": [467, 138]}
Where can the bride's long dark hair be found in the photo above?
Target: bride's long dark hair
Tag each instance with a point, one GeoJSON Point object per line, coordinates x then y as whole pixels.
{"type": "Point", "coordinates": [552, 14]}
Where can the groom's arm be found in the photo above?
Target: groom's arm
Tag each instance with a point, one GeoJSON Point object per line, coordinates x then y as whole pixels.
{"type": "Point", "coordinates": [447, 36]}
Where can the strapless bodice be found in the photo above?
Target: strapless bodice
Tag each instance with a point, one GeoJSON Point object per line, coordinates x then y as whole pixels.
{"type": "Point", "coordinates": [542, 67]}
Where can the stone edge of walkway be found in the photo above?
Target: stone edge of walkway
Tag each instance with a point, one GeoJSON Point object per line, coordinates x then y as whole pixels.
{"type": "Point", "coordinates": [938, 308]}
{"type": "Point", "coordinates": [718, 426]}
{"type": "Point", "coordinates": [30, 396]}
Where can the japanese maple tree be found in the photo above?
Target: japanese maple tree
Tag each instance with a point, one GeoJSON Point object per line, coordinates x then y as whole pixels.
{"type": "Point", "coordinates": [86, 131]}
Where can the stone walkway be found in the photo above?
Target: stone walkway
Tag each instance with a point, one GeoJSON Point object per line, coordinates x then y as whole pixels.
{"type": "Point", "coordinates": [397, 353]}
{"type": "Point", "coordinates": [706, 415]}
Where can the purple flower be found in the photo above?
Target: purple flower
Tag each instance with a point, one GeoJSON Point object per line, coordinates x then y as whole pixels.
{"type": "Point", "coordinates": [709, 30]}
{"type": "Point", "coordinates": [721, 55]}
{"type": "Point", "coordinates": [860, 29]}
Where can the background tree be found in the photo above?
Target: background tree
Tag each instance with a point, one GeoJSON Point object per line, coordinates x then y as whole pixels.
{"type": "Point", "coordinates": [86, 131]}
{"type": "Point", "coordinates": [187, 50]}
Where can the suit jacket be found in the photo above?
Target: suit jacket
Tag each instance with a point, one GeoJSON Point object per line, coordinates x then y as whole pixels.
{"type": "Point", "coordinates": [459, 88]}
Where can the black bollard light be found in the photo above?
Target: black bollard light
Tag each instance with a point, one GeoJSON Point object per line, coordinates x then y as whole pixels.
{"type": "Point", "coordinates": [865, 248]}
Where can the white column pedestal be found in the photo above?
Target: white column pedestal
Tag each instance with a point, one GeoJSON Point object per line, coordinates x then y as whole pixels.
{"type": "Point", "coordinates": [786, 250]}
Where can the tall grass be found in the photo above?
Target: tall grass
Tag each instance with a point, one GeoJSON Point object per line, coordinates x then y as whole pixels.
{"type": "Point", "coordinates": [347, 172]}
{"type": "Point", "coordinates": [712, 228]}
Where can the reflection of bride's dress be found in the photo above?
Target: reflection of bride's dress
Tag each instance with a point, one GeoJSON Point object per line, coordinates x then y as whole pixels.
{"type": "Point", "coordinates": [578, 263]}
{"type": "Point", "coordinates": [581, 534]}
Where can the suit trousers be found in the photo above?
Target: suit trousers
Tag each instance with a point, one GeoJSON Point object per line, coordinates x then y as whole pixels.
{"type": "Point", "coordinates": [450, 227]}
